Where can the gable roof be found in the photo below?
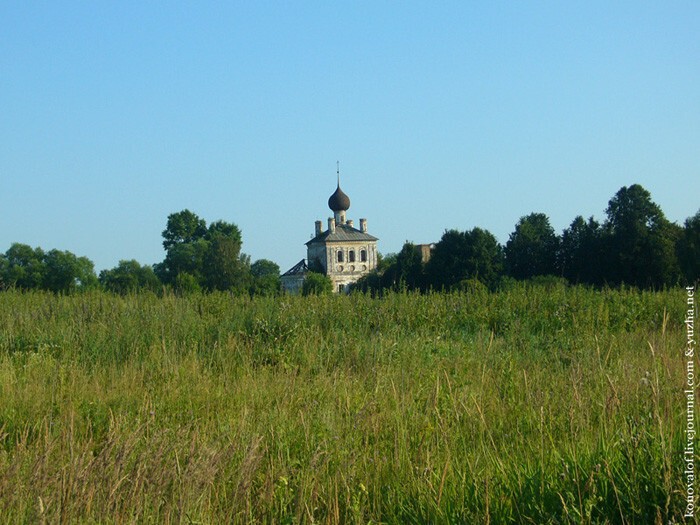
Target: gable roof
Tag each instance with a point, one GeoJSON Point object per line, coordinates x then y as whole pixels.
{"type": "Point", "coordinates": [299, 268]}
{"type": "Point", "coordinates": [343, 233]}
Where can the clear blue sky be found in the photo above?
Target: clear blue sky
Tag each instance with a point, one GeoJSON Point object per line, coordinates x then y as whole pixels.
{"type": "Point", "coordinates": [442, 115]}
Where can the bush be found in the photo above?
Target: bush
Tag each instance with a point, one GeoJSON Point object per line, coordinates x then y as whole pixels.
{"type": "Point", "coordinates": [317, 284]}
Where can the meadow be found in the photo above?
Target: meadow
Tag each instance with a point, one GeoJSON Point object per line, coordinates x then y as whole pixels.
{"type": "Point", "coordinates": [532, 405]}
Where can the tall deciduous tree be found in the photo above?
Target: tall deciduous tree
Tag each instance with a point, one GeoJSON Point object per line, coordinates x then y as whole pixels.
{"type": "Point", "coordinates": [223, 268]}
{"type": "Point", "coordinates": [24, 267]}
{"type": "Point", "coordinates": [581, 252]}
{"type": "Point", "coordinates": [65, 272]}
{"type": "Point", "coordinates": [401, 271]}
{"type": "Point", "coordinates": [532, 248]}
{"type": "Point", "coordinates": [211, 257]}
{"type": "Point", "coordinates": [459, 256]}
{"type": "Point", "coordinates": [409, 267]}
{"type": "Point", "coordinates": [225, 229]}
{"type": "Point", "coordinates": [185, 257]}
{"type": "Point", "coordinates": [183, 227]}
{"type": "Point", "coordinates": [641, 241]}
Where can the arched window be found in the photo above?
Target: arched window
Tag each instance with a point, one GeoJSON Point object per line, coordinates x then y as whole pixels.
{"type": "Point", "coordinates": [363, 255]}
{"type": "Point", "coordinates": [351, 256]}
{"type": "Point", "coordinates": [340, 256]}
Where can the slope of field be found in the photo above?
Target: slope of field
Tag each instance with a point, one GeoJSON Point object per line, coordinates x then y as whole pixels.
{"type": "Point", "coordinates": [534, 405]}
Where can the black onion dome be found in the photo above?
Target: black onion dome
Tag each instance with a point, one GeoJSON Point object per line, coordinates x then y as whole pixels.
{"type": "Point", "coordinates": [339, 201]}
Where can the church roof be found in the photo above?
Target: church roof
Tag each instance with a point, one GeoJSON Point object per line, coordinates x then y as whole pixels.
{"type": "Point", "coordinates": [343, 233]}
{"type": "Point", "coordinates": [299, 268]}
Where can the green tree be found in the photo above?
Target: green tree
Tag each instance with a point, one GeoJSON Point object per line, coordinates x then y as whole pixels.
{"type": "Point", "coordinates": [65, 272]}
{"type": "Point", "coordinates": [317, 284]}
{"type": "Point", "coordinates": [187, 257]}
{"type": "Point", "coordinates": [532, 248]}
{"type": "Point", "coordinates": [581, 252]}
{"type": "Point", "coordinates": [209, 255]}
{"type": "Point", "coordinates": [183, 227]}
{"type": "Point", "coordinates": [460, 256]}
{"type": "Point", "coordinates": [129, 276]}
{"type": "Point", "coordinates": [387, 268]}
{"type": "Point", "coordinates": [369, 283]}
{"type": "Point", "coordinates": [223, 268]}
{"type": "Point", "coordinates": [225, 229]}
{"type": "Point", "coordinates": [688, 249]}
{"type": "Point", "coordinates": [409, 268]}
{"type": "Point", "coordinates": [24, 267]}
{"type": "Point", "coordinates": [641, 241]}
{"type": "Point", "coordinates": [265, 277]}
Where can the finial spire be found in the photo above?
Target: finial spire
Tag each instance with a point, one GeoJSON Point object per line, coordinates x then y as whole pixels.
{"type": "Point", "coordinates": [339, 201]}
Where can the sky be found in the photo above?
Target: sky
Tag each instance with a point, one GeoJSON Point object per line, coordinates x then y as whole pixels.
{"type": "Point", "coordinates": [443, 115]}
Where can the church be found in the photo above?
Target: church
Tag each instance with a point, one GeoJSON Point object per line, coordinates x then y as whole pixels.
{"type": "Point", "coordinates": [342, 252]}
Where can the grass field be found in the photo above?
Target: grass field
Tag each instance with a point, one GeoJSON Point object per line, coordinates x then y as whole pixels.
{"type": "Point", "coordinates": [534, 405]}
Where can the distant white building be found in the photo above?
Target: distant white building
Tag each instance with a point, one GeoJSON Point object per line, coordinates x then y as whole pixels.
{"type": "Point", "coordinates": [342, 252]}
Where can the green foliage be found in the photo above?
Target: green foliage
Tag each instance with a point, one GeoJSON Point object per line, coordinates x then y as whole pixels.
{"type": "Point", "coordinates": [582, 252]}
{"type": "Point", "coordinates": [396, 272]}
{"type": "Point", "coordinates": [265, 278]}
{"type": "Point", "coordinates": [688, 249]}
{"type": "Point", "coordinates": [264, 268]}
{"type": "Point", "coordinates": [182, 228]}
{"type": "Point", "coordinates": [129, 277]}
{"type": "Point", "coordinates": [209, 256]}
{"type": "Point", "coordinates": [4, 269]}
{"type": "Point", "coordinates": [186, 283]}
{"type": "Point", "coordinates": [506, 283]}
{"type": "Point", "coordinates": [65, 272]}
{"type": "Point", "coordinates": [183, 258]}
{"type": "Point", "coordinates": [316, 284]}
{"type": "Point", "coordinates": [471, 286]}
{"type": "Point", "coordinates": [58, 271]}
{"type": "Point", "coordinates": [409, 268]}
{"type": "Point", "coordinates": [532, 248]}
{"type": "Point", "coordinates": [460, 256]}
{"type": "Point", "coordinates": [370, 283]}
{"type": "Point", "coordinates": [222, 267]}
{"type": "Point", "coordinates": [548, 282]}
{"type": "Point", "coordinates": [641, 242]}
{"type": "Point", "coordinates": [385, 261]}
{"type": "Point", "coordinates": [533, 405]}
{"type": "Point", "coordinates": [24, 267]}
{"type": "Point", "coordinates": [225, 229]}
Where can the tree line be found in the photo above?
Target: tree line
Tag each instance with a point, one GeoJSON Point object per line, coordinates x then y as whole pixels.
{"type": "Point", "coordinates": [198, 257]}
{"type": "Point", "coordinates": [636, 245]}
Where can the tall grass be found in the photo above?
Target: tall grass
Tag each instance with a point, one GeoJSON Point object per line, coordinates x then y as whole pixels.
{"type": "Point", "coordinates": [534, 405]}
